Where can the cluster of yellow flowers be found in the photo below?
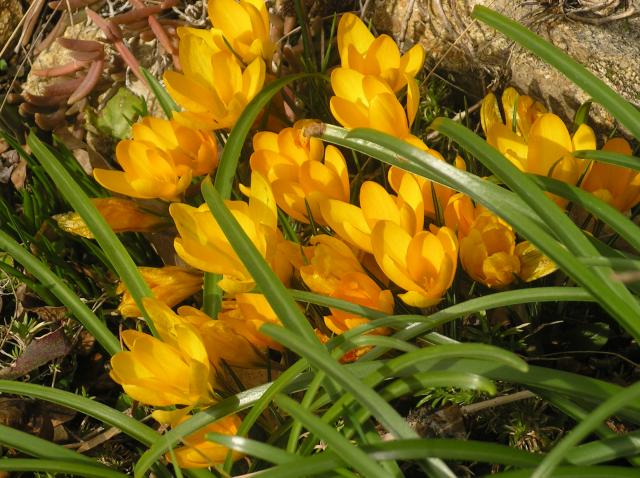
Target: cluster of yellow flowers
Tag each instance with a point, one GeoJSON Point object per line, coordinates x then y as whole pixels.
{"type": "Point", "coordinates": [381, 244]}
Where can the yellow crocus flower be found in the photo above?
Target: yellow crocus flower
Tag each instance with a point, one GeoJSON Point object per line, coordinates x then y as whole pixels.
{"type": "Point", "coordinates": [427, 187]}
{"type": "Point", "coordinates": [294, 166]}
{"type": "Point", "coordinates": [246, 313]}
{"type": "Point", "coordinates": [354, 224]}
{"type": "Point", "coordinates": [215, 87]}
{"type": "Point", "coordinates": [160, 160]}
{"type": "Point", "coordinates": [203, 245]}
{"type": "Point", "coordinates": [327, 260]}
{"type": "Point", "coordinates": [537, 142]}
{"type": "Point", "coordinates": [222, 340]}
{"type": "Point", "coordinates": [615, 185]}
{"type": "Point", "coordinates": [172, 370]}
{"type": "Point", "coordinates": [123, 215]}
{"type": "Point", "coordinates": [366, 101]}
{"type": "Point", "coordinates": [245, 26]}
{"type": "Point", "coordinates": [378, 56]}
{"type": "Point", "coordinates": [487, 251]}
{"type": "Point", "coordinates": [197, 451]}
{"type": "Point", "coordinates": [423, 264]}
{"type": "Point", "coordinates": [357, 288]}
{"type": "Point", "coordinates": [169, 284]}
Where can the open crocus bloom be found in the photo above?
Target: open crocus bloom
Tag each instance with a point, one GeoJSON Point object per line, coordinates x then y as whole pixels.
{"type": "Point", "coordinates": [423, 264]}
{"type": "Point", "coordinates": [214, 87]}
{"type": "Point", "coordinates": [376, 56]}
{"type": "Point", "coordinates": [300, 170]}
{"type": "Point", "coordinates": [366, 101]}
{"type": "Point", "coordinates": [244, 25]}
{"type": "Point", "coordinates": [160, 160]}
{"type": "Point", "coordinates": [203, 244]}
{"type": "Point", "coordinates": [354, 224]}
{"type": "Point", "coordinates": [172, 371]}
{"type": "Point", "coordinates": [615, 185]}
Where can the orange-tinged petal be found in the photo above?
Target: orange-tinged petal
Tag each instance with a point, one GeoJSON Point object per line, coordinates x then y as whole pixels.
{"type": "Point", "coordinates": [377, 204]}
{"type": "Point", "coordinates": [412, 61]}
{"type": "Point", "coordinates": [348, 114]}
{"type": "Point", "coordinates": [533, 264]}
{"type": "Point", "coordinates": [413, 99]}
{"type": "Point", "coordinates": [489, 114]}
{"type": "Point", "coordinates": [116, 181]}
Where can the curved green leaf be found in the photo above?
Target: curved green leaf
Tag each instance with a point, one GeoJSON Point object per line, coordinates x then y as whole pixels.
{"type": "Point", "coordinates": [549, 464]}
{"type": "Point", "coordinates": [86, 470]}
{"type": "Point", "coordinates": [619, 159]}
{"type": "Point", "coordinates": [94, 409]}
{"type": "Point", "coordinates": [104, 235]}
{"type": "Point", "coordinates": [66, 296]}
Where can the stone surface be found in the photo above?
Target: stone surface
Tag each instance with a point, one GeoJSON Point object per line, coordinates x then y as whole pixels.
{"type": "Point", "coordinates": [10, 15]}
{"type": "Point", "coordinates": [477, 56]}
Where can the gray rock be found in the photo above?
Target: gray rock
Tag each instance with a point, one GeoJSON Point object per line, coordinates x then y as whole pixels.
{"type": "Point", "coordinates": [479, 58]}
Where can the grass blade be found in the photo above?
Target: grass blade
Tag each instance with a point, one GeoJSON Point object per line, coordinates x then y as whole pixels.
{"type": "Point", "coordinates": [546, 468]}
{"type": "Point", "coordinates": [350, 455]}
{"type": "Point", "coordinates": [253, 448]}
{"type": "Point", "coordinates": [164, 100]}
{"type": "Point", "coordinates": [64, 294]}
{"type": "Point", "coordinates": [104, 235]}
{"type": "Point", "coordinates": [59, 466]}
{"type": "Point", "coordinates": [631, 162]}
{"type": "Point", "coordinates": [108, 415]}
{"type": "Point", "coordinates": [620, 109]}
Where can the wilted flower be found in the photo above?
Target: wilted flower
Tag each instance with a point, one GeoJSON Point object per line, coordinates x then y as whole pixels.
{"type": "Point", "coordinates": [214, 87]}
{"type": "Point", "coordinates": [354, 224]}
{"type": "Point", "coordinates": [365, 101]}
{"type": "Point", "coordinates": [169, 284]}
{"type": "Point", "coordinates": [293, 164]}
{"type": "Point", "coordinates": [615, 185]}
{"type": "Point", "coordinates": [423, 264]}
{"type": "Point", "coordinates": [172, 370]}
{"type": "Point", "coordinates": [203, 244]}
{"type": "Point", "coordinates": [123, 215]}
{"type": "Point", "coordinates": [379, 56]}
{"type": "Point", "coordinates": [160, 160]}
{"type": "Point", "coordinates": [199, 452]}
{"type": "Point", "coordinates": [244, 25]}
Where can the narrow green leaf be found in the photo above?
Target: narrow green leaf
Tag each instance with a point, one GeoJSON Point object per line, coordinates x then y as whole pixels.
{"type": "Point", "coordinates": [600, 209]}
{"type": "Point", "coordinates": [631, 162]}
{"type": "Point", "coordinates": [281, 303]}
{"type": "Point", "coordinates": [584, 428]}
{"type": "Point", "coordinates": [106, 238]}
{"type": "Point", "coordinates": [466, 450]}
{"type": "Point", "coordinates": [108, 415]}
{"type": "Point", "coordinates": [164, 100]}
{"type": "Point", "coordinates": [612, 296]}
{"type": "Point", "coordinates": [578, 472]}
{"type": "Point", "coordinates": [380, 409]}
{"type": "Point", "coordinates": [582, 115]}
{"type": "Point", "coordinates": [620, 109]}
{"type": "Point", "coordinates": [601, 451]}
{"type": "Point", "coordinates": [350, 455]}
{"type": "Point", "coordinates": [59, 466]}
{"type": "Point", "coordinates": [65, 295]}
{"type": "Point", "coordinates": [227, 169]}
{"type": "Point", "coordinates": [37, 447]}
{"type": "Point", "coordinates": [253, 448]}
